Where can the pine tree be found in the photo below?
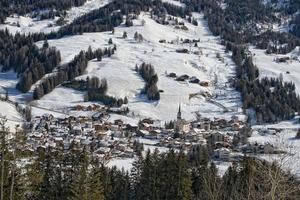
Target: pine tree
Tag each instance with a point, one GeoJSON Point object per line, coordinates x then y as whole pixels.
{"type": "Point", "coordinates": [47, 185]}
{"type": "Point", "coordinates": [81, 180]}
{"type": "Point", "coordinates": [136, 36]}
{"type": "Point", "coordinates": [46, 44]}
{"type": "Point", "coordinates": [4, 166]}
{"type": "Point", "coordinates": [95, 186]}
{"type": "Point", "coordinates": [298, 134]}
{"type": "Point", "coordinates": [124, 35]}
{"type": "Point", "coordinates": [110, 41]}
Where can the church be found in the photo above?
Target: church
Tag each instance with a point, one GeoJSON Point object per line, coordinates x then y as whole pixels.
{"type": "Point", "coordinates": [181, 125]}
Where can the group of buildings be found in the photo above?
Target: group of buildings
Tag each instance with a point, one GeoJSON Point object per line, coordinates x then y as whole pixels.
{"type": "Point", "coordinates": [111, 139]}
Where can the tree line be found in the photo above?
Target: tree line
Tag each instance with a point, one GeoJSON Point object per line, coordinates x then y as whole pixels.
{"type": "Point", "coordinates": [149, 75]}
{"type": "Point", "coordinates": [102, 19]}
{"type": "Point", "coordinates": [237, 23]}
{"type": "Point", "coordinates": [20, 54]}
{"type": "Point", "coordinates": [260, 95]}
{"type": "Point", "coordinates": [272, 99]}
{"type": "Point", "coordinates": [69, 71]}
{"type": "Point", "coordinates": [96, 90]}
{"type": "Point", "coordinates": [40, 66]}
{"type": "Point", "coordinates": [22, 7]}
{"type": "Point", "coordinates": [76, 174]}
{"type": "Point", "coordinates": [111, 15]}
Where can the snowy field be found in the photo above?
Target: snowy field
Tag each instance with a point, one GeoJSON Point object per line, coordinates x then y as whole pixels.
{"type": "Point", "coordinates": [285, 140]}
{"type": "Point", "coordinates": [290, 72]}
{"type": "Point", "coordinates": [124, 81]}
{"type": "Point", "coordinates": [174, 2]}
{"type": "Point", "coordinates": [8, 111]}
{"type": "Point", "coordinates": [26, 24]}
{"type": "Point", "coordinates": [268, 67]}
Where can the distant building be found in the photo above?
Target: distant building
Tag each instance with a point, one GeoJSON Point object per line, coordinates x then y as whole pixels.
{"type": "Point", "coordinates": [181, 125]}
{"type": "Point", "coordinates": [222, 154]}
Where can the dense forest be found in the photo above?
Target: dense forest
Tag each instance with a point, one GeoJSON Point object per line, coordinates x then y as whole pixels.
{"type": "Point", "coordinates": [20, 54]}
{"type": "Point", "coordinates": [260, 95]}
{"type": "Point", "coordinates": [96, 90]}
{"type": "Point", "coordinates": [42, 64]}
{"type": "Point", "coordinates": [68, 72]}
{"type": "Point", "coordinates": [295, 23]}
{"type": "Point", "coordinates": [103, 19]}
{"type": "Point", "coordinates": [53, 174]}
{"type": "Point", "coordinates": [111, 15]}
{"type": "Point", "coordinates": [288, 10]}
{"type": "Point", "coordinates": [22, 7]}
{"type": "Point", "coordinates": [272, 99]}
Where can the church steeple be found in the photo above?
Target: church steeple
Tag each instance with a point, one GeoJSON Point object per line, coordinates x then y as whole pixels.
{"type": "Point", "coordinates": [179, 112]}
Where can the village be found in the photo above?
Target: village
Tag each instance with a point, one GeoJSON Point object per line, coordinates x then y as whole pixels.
{"type": "Point", "coordinates": [225, 139]}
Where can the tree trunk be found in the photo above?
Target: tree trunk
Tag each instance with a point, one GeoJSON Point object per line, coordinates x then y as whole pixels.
{"type": "Point", "coordinates": [2, 163]}
{"type": "Point", "coordinates": [11, 196]}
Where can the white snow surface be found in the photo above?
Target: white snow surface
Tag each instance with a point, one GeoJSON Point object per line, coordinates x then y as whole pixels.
{"type": "Point", "coordinates": [121, 164]}
{"type": "Point", "coordinates": [286, 141]}
{"type": "Point", "coordinates": [124, 81]}
{"type": "Point", "coordinates": [8, 111]}
{"type": "Point", "coordinates": [174, 2]}
{"type": "Point", "coordinates": [268, 67]}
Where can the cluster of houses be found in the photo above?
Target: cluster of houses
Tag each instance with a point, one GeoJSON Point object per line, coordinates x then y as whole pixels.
{"type": "Point", "coordinates": [117, 138]}
{"type": "Point", "coordinates": [190, 79]}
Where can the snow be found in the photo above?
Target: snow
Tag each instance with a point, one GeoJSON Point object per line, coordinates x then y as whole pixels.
{"type": "Point", "coordinates": [25, 24]}
{"type": "Point", "coordinates": [278, 3]}
{"type": "Point", "coordinates": [222, 167]}
{"type": "Point", "coordinates": [57, 103]}
{"type": "Point", "coordinates": [8, 82]}
{"type": "Point", "coordinates": [125, 163]}
{"type": "Point", "coordinates": [9, 112]}
{"type": "Point", "coordinates": [69, 47]}
{"type": "Point", "coordinates": [268, 67]}
{"type": "Point", "coordinates": [285, 140]}
{"type": "Point", "coordinates": [124, 81]}
{"type": "Point", "coordinates": [174, 2]}
{"type": "Point", "coordinates": [32, 25]}
{"type": "Point", "coordinates": [76, 12]}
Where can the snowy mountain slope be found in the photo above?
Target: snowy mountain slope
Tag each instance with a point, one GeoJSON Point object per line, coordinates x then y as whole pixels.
{"type": "Point", "coordinates": [285, 140]}
{"type": "Point", "coordinates": [124, 81]}
{"type": "Point", "coordinates": [8, 111]}
{"type": "Point", "coordinates": [268, 67]}
{"type": "Point", "coordinates": [26, 24]}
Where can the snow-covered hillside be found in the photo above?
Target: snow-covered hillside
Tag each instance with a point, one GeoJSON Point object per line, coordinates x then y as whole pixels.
{"type": "Point", "coordinates": [269, 67]}
{"type": "Point", "coordinates": [26, 24]}
{"type": "Point", "coordinates": [124, 81]}
{"type": "Point", "coordinates": [285, 140]}
{"type": "Point", "coordinates": [8, 112]}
